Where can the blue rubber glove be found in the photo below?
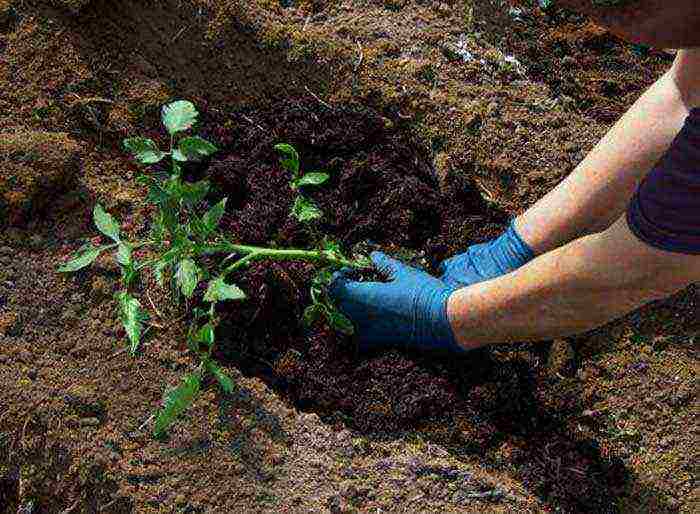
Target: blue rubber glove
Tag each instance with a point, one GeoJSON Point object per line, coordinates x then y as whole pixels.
{"type": "Point", "coordinates": [488, 260]}
{"type": "Point", "coordinates": [409, 311]}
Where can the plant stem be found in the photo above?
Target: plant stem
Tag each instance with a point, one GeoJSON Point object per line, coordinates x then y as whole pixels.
{"type": "Point", "coordinates": [256, 253]}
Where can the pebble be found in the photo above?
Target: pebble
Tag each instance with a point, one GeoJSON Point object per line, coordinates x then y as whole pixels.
{"type": "Point", "coordinates": [492, 109]}
{"type": "Point", "coordinates": [25, 357]}
{"type": "Point", "coordinates": [444, 8]}
{"type": "Point", "coordinates": [6, 250]}
{"type": "Point", "coordinates": [89, 422]}
{"type": "Point", "coordinates": [571, 147]}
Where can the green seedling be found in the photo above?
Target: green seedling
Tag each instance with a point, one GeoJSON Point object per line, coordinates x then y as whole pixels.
{"type": "Point", "coordinates": [304, 209]}
{"type": "Point", "coordinates": [184, 237]}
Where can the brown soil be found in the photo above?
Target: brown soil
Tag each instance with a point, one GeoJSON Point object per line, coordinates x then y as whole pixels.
{"type": "Point", "coordinates": [428, 153]}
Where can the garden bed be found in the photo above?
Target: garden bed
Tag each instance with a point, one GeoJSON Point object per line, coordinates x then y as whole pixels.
{"type": "Point", "coordinates": [433, 140]}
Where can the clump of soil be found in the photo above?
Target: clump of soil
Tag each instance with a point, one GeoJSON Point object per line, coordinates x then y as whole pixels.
{"type": "Point", "coordinates": [35, 166]}
{"type": "Point", "coordinates": [382, 189]}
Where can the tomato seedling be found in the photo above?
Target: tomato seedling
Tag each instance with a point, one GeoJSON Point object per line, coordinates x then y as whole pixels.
{"type": "Point", "coordinates": [184, 235]}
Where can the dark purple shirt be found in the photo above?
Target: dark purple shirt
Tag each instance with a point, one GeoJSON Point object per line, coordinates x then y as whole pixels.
{"type": "Point", "coordinates": [665, 210]}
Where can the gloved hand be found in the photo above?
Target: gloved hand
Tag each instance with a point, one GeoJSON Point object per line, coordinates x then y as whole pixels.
{"type": "Point", "coordinates": [409, 311]}
{"type": "Point", "coordinates": [488, 260]}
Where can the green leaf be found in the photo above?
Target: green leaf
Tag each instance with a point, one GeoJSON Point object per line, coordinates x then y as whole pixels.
{"type": "Point", "coordinates": [165, 260]}
{"type": "Point", "coordinates": [222, 378]}
{"type": "Point", "coordinates": [124, 254]}
{"type": "Point", "coordinates": [179, 116]}
{"type": "Point", "coordinates": [332, 248]}
{"type": "Point", "coordinates": [132, 316]}
{"type": "Point", "coordinates": [105, 223]}
{"type": "Point", "coordinates": [362, 261]}
{"type": "Point", "coordinates": [213, 216]}
{"type": "Point", "coordinates": [291, 162]}
{"type": "Point", "coordinates": [313, 313]}
{"type": "Point", "coordinates": [341, 323]}
{"type": "Point", "coordinates": [219, 290]}
{"type": "Point", "coordinates": [143, 149]}
{"type": "Point", "coordinates": [187, 276]}
{"type": "Point", "coordinates": [157, 194]}
{"type": "Point", "coordinates": [176, 402]}
{"type": "Point", "coordinates": [84, 257]}
{"type": "Point", "coordinates": [193, 192]}
{"type": "Point", "coordinates": [195, 149]}
{"type": "Point", "coordinates": [313, 179]}
{"type": "Point", "coordinates": [178, 155]}
{"type": "Point", "coordinates": [319, 283]}
{"type": "Point", "coordinates": [205, 335]}
{"type": "Point", "coordinates": [305, 210]}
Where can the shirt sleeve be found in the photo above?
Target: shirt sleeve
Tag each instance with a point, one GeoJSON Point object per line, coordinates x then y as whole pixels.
{"type": "Point", "coordinates": [665, 210]}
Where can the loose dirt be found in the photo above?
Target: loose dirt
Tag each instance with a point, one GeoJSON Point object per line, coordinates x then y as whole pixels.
{"type": "Point", "coordinates": [437, 121]}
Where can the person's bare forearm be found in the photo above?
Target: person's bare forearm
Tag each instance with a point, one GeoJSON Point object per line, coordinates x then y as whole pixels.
{"type": "Point", "coordinates": [577, 287]}
{"type": "Point", "coordinates": [592, 197]}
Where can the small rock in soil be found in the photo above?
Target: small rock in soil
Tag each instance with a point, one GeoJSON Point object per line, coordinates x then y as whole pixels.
{"type": "Point", "coordinates": [89, 422]}
{"type": "Point", "coordinates": [25, 357]}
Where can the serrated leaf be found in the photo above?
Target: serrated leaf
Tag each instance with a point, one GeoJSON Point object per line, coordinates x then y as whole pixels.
{"type": "Point", "coordinates": [176, 402]}
{"type": "Point", "coordinates": [290, 162]}
{"type": "Point", "coordinates": [219, 290]}
{"type": "Point", "coordinates": [213, 216]}
{"type": "Point", "coordinates": [157, 194]}
{"type": "Point", "coordinates": [132, 316]}
{"type": "Point", "coordinates": [222, 378]}
{"type": "Point", "coordinates": [84, 258]}
{"type": "Point", "coordinates": [178, 155]}
{"type": "Point", "coordinates": [193, 193]}
{"type": "Point", "coordinates": [105, 223]}
{"type": "Point", "coordinates": [124, 254]}
{"type": "Point", "coordinates": [305, 210]}
{"type": "Point", "coordinates": [319, 283]}
{"type": "Point", "coordinates": [204, 335]}
{"type": "Point", "coordinates": [165, 260]}
{"type": "Point", "coordinates": [313, 179]}
{"type": "Point", "coordinates": [341, 323]}
{"type": "Point", "coordinates": [332, 247]}
{"type": "Point", "coordinates": [158, 272]}
{"type": "Point", "coordinates": [187, 276]}
{"type": "Point", "coordinates": [179, 116]}
{"type": "Point", "coordinates": [195, 148]}
{"type": "Point", "coordinates": [143, 149]}
{"type": "Point", "coordinates": [362, 261]}
{"type": "Point", "coordinates": [313, 313]}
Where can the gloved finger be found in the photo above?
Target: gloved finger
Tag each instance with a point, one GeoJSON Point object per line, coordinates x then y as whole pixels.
{"type": "Point", "coordinates": [341, 273]}
{"type": "Point", "coordinates": [443, 266]}
{"type": "Point", "coordinates": [343, 289]}
{"type": "Point", "coordinates": [386, 264]}
{"type": "Point", "coordinates": [451, 282]}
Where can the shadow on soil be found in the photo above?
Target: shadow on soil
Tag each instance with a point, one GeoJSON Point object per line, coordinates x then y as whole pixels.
{"type": "Point", "coordinates": [222, 56]}
{"type": "Point", "coordinates": [521, 424]}
{"type": "Point", "coordinates": [38, 476]}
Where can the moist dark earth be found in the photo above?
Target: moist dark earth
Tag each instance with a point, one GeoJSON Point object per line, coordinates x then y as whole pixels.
{"type": "Point", "coordinates": [382, 191]}
{"type": "Point", "coordinates": [428, 151]}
